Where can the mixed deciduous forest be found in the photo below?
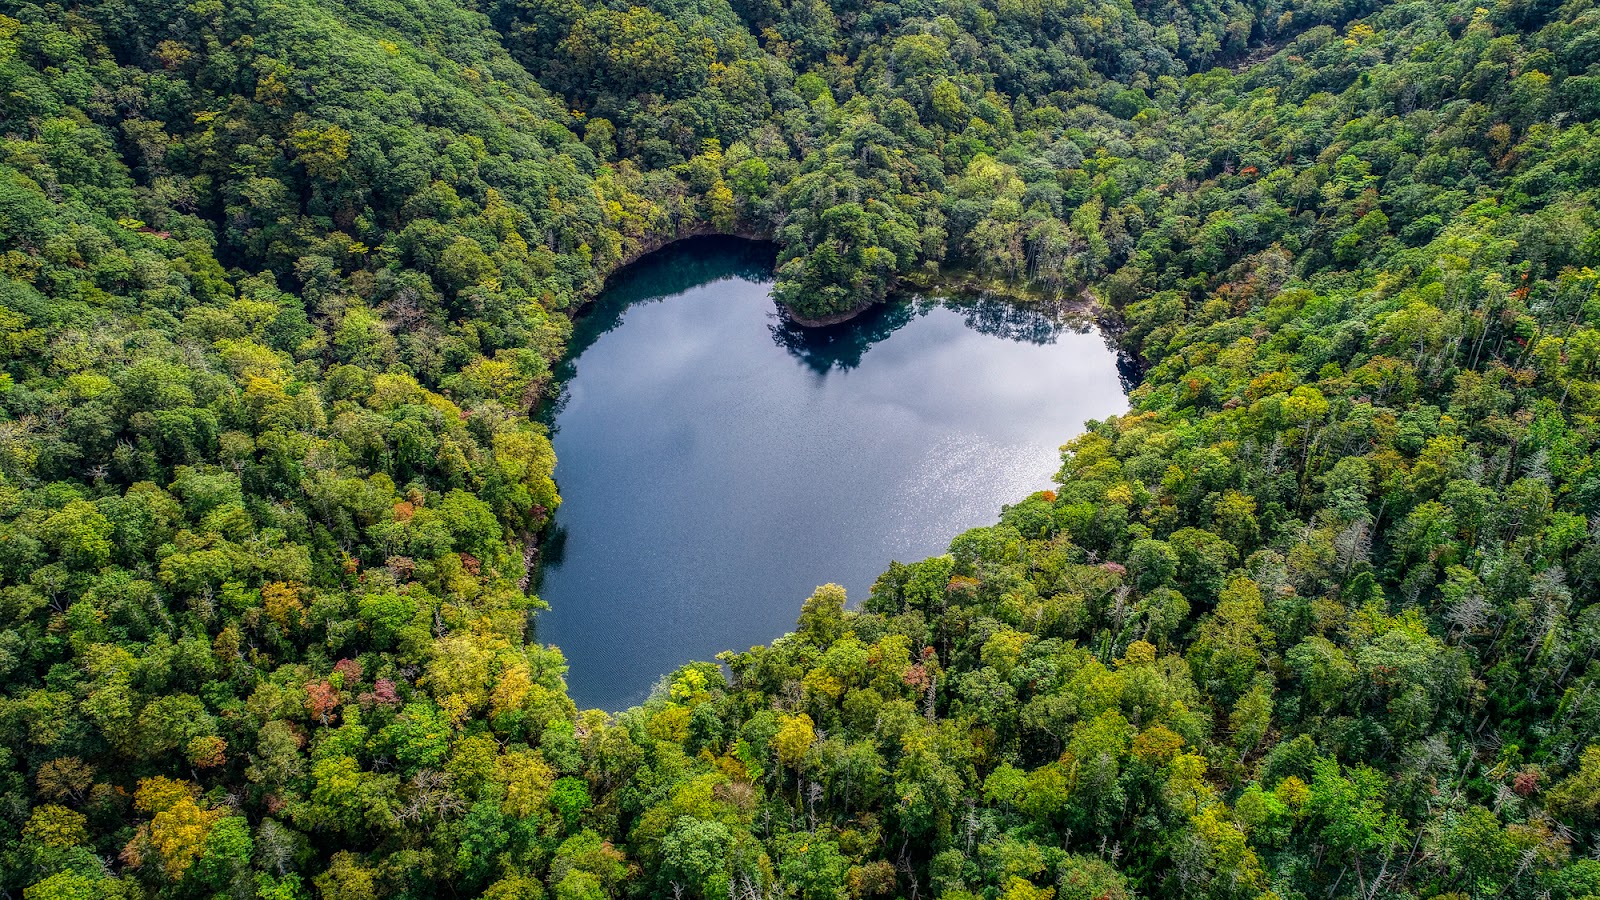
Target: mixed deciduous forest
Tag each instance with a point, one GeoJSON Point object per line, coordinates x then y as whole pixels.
{"type": "Point", "coordinates": [280, 281]}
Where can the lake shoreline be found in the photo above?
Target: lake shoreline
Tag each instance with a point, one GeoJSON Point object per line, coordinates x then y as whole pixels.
{"type": "Point", "coordinates": [824, 321]}
{"type": "Point", "coordinates": [939, 283]}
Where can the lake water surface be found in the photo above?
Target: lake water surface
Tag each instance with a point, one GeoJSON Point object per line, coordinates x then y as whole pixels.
{"type": "Point", "coordinates": [716, 463]}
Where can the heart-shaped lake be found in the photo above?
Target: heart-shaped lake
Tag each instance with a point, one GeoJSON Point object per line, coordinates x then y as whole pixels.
{"type": "Point", "coordinates": [717, 463]}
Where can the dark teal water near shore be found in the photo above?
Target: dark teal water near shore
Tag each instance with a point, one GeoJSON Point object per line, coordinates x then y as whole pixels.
{"type": "Point", "coordinates": [717, 463]}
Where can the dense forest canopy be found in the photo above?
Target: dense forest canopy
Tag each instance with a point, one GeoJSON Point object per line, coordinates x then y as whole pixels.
{"type": "Point", "coordinates": [1319, 618]}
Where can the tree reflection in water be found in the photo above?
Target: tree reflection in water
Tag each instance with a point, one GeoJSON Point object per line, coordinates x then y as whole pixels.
{"type": "Point", "coordinates": [703, 260]}
{"type": "Point", "coordinates": [842, 346]}
{"type": "Point", "coordinates": [659, 276]}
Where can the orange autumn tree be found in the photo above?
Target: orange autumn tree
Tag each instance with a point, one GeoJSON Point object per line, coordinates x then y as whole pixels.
{"type": "Point", "coordinates": [176, 833]}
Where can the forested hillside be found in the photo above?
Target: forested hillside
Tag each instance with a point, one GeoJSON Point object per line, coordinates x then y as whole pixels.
{"type": "Point", "coordinates": [280, 281]}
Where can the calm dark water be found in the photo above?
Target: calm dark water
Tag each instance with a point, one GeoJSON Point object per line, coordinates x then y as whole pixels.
{"type": "Point", "coordinates": [717, 464]}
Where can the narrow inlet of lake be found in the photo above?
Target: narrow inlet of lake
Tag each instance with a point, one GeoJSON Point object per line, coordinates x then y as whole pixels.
{"type": "Point", "coordinates": [716, 463]}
